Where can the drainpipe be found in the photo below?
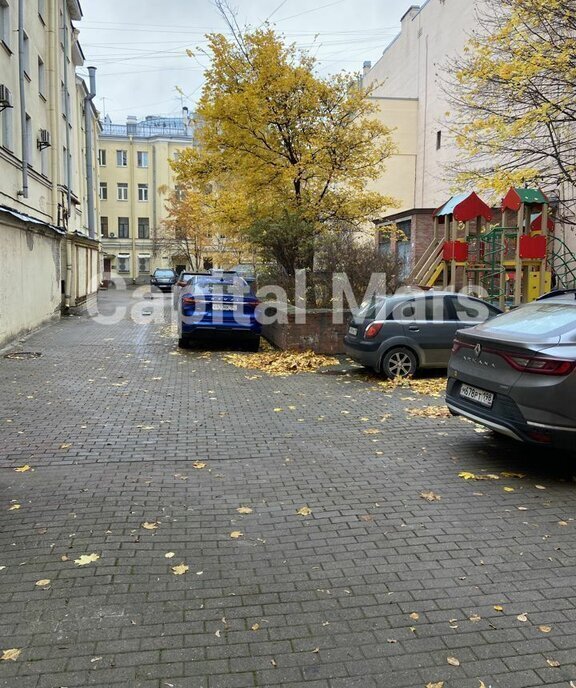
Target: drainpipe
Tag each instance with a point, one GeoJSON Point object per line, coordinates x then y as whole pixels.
{"type": "Point", "coordinates": [89, 169]}
{"type": "Point", "coordinates": [25, 151]}
{"type": "Point", "coordinates": [68, 278]}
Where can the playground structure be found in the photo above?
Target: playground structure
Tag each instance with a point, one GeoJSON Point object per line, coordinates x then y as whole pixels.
{"type": "Point", "coordinates": [509, 263]}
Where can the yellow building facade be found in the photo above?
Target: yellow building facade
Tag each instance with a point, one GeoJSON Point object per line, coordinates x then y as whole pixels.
{"type": "Point", "coordinates": [44, 195]}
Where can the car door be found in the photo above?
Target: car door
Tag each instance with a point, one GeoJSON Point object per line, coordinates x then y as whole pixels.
{"type": "Point", "coordinates": [431, 329]}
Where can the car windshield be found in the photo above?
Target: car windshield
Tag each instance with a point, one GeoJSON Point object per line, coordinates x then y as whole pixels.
{"type": "Point", "coordinates": [231, 286]}
{"type": "Point", "coordinates": [535, 320]}
{"type": "Point", "coordinates": [164, 273]}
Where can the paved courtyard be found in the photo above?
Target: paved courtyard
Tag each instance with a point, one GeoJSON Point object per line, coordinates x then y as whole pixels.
{"type": "Point", "coordinates": [141, 455]}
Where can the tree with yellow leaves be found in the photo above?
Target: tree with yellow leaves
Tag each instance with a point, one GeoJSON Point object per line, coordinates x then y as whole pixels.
{"type": "Point", "coordinates": [289, 152]}
{"type": "Point", "coordinates": [514, 96]}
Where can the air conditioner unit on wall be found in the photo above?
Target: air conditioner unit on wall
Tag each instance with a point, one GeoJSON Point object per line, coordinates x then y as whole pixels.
{"type": "Point", "coordinates": [44, 139]}
{"type": "Point", "coordinates": [5, 97]}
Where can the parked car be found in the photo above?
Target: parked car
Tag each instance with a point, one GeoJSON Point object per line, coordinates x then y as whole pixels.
{"type": "Point", "coordinates": [183, 278]}
{"type": "Point", "coordinates": [397, 335]}
{"type": "Point", "coordinates": [163, 278]}
{"type": "Point", "coordinates": [216, 305]}
{"type": "Point", "coordinates": [515, 374]}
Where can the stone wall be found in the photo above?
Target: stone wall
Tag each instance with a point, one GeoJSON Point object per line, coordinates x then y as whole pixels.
{"type": "Point", "coordinates": [319, 332]}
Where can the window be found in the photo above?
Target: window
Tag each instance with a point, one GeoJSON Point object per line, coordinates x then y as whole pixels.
{"type": "Point", "coordinates": [101, 157]}
{"type": "Point", "coordinates": [143, 228]}
{"type": "Point", "coordinates": [103, 226]}
{"type": "Point", "coordinates": [122, 192]}
{"type": "Point", "coordinates": [41, 78]}
{"type": "Point", "coordinates": [26, 56]}
{"type": "Point", "coordinates": [142, 192]}
{"type": "Point", "coordinates": [123, 263]}
{"type": "Point", "coordinates": [438, 140]}
{"type": "Point", "coordinates": [179, 193]}
{"type": "Point", "coordinates": [6, 116]}
{"type": "Point", "coordinates": [5, 22]}
{"type": "Point", "coordinates": [123, 228]}
{"type": "Point", "coordinates": [103, 191]}
{"type": "Point", "coordinates": [143, 264]}
{"type": "Point", "coordinates": [121, 158]}
{"type": "Point", "coordinates": [142, 157]}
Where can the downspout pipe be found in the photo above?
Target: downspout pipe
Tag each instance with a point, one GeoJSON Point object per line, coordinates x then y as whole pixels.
{"type": "Point", "coordinates": [89, 152]}
{"type": "Point", "coordinates": [25, 152]}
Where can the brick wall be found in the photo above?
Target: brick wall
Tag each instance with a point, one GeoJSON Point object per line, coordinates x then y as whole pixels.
{"type": "Point", "coordinates": [319, 333]}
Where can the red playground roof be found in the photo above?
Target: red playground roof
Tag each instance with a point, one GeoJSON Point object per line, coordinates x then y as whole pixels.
{"type": "Point", "coordinates": [465, 207]}
{"type": "Point", "coordinates": [515, 197]}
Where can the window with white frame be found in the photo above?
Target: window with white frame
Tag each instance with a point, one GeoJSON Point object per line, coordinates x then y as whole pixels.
{"type": "Point", "coordinates": [41, 77]}
{"type": "Point", "coordinates": [142, 158]}
{"type": "Point", "coordinates": [101, 157]}
{"type": "Point", "coordinates": [5, 22]}
{"type": "Point", "coordinates": [123, 263]}
{"type": "Point", "coordinates": [142, 192]}
{"type": "Point", "coordinates": [122, 192]}
{"type": "Point", "coordinates": [103, 192]}
{"type": "Point", "coordinates": [121, 158]}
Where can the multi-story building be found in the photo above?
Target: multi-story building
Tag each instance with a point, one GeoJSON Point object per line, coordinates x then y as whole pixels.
{"type": "Point", "coordinates": [49, 252]}
{"type": "Point", "coordinates": [134, 179]}
{"type": "Point", "coordinates": [409, 76]}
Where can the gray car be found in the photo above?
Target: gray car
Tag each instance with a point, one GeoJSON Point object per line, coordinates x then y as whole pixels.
{"type": "Point", "coordinates": [516, 374]}
{"type": "Point", "coordinates": [396, 335]}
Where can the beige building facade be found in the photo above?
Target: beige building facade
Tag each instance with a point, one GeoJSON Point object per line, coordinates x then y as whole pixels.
{"type": "Point", "coordinates": [49, 258]}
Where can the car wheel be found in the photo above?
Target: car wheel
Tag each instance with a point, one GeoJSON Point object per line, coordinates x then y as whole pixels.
{"type": "Point", "coordinates": [183, 342]}
{"type": "Point", "coordinates": [400, 362]}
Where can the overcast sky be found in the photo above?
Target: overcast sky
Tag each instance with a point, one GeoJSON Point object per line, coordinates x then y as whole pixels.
{"type": "Point", "coordinates": [139, 46]}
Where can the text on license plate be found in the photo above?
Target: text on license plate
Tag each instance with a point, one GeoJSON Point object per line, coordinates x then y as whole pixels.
{"type": "Point", "coordinates": [352, 330]}
{"type": "Point", "coordinates": [223, 307]}
{"type": "Point", "coordinates": [480, 396]}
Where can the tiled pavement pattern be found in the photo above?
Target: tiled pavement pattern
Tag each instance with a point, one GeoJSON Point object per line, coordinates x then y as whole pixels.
{"type": "Point", "coordinates": [331, 593]}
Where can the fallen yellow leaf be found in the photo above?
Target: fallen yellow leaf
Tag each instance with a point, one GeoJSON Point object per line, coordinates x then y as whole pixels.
{"type": "Point", "coordinates": [508, 489]}
{"type": "Point", "coordinates": [415, 616]}
{"type": "Point", "coordinates": [545, 629]}
{"type": "Point", "coordinates": [43, 583]}
{"type": "Point", "coordinates": [255, 627]}
{"type": "Point", "coordinates": [522, 617]}
{"type": "Point", "coordinates": [244, 510]}
{"type": "Point", "coordinates": [14, 507]}
{"type": "Point", "coordinates": [86, 559]}
{"type": "Point", "coordinates": [149, 525]}
{"type": "Point", "coordinates": [66, 445]}
{"type": "Point", "coordinates": [235, 534]}
{"type": "Point", "coordinates": [498, 608]}
{"type": "Point", "coordinates": [179, 569]}
{"type": "Point", "coordinates": [438, 684]}
{"type": "Point", "coordinates": [23, 469]}
{"type": "Point", "coordinates": [553, 662]}
{"type": "Point", "coordinates": [169, 555]}
{"type": "Point", "coordinates": [282, 363]}
{"type": "Point", "coordinates": [466, 475]}
{"type": "Point", "coordinates": [277, 410]}
{"type": "Point", "coordinates": [429, 412]}
{"type": "Point", "coordinates": [513, 474]}
{"type": "Point", "coordinates": [199, 465]}
{"type": "Point", "coordinates": [453, 661]}
{"type": "Point", "coordinates": [430, 496]}
{"type": "Point", "coordinates": [12, 654]}
{"type": "Point", "coordinates": [304, 511]}
{"type": "Point", "coordinates": [372, 431]}
{"type": "Point", "coordinates": [474, 618]}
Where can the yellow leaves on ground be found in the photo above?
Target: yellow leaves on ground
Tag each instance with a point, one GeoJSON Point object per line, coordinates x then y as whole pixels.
{"type": "Point", "coordinates": [179, 569]}
{"type": "Point", "coordinates": [553, 663]}
{"type": "Point", "coordinates": [278, 409]}
{"type": "Point", "coordinates": [434, 387]}
{"type": "Point", "coordinates": [474, 618]}
{"type": "Point", "coordinates": [498, 608]}
{"type": "Point", "coordinates": [86, 559]}
{"type": "Point", "coordinates": [255, 627]}
{"type": "Point", "coordinates": [199, 465]}
{"type": "Point", "coordinates": [169, 555]}
{"type": "Point", "coordinates": [437, 684]}
{"type": "Point", "coordinates": [508, 489]}
{"type": "Point", "coordinates": [430, 496]}
{"type": "Point", "coordinates": [12, 655]}
{"type": "Point", "coordinates": [235, 534]}
{"type": "Point", "coordinates": [23, 469]}
{"type": "Point", "coordinates": [42, 583]}
{"type": "Point", "coordinates": [466, 475]}
{"type": "Point", "coordinates": [545, 629]}
{"type": "Point", "coordinates": [244, 510]}
{"type": "Point", "coordinates": [415, 616]}
{"type": "Point", "coordinates": [282, 363]}
{"type": "Point", "coordinates": [429, 412]}
{"type": "Point", "coordinates": [522, 617]}
{"type": "Point", "coordinates": [513, 474]}
{"type": "Point", "coordinates": [66, 445]}
{"type": "Point", "coordinates": [372, 431]}
{"type": "Point", "coordinates": [304, 511]}
{"type": "Point", "coordinates": [453, 661]}
{"type": "Point", "coordinates": [14, 507]}
{"type": "Point", "coordinates": [149, 525]}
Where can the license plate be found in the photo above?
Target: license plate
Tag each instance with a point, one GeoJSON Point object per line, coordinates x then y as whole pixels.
{"type": "Point", "coordinates": [223, 307]}
{"type": "Point", "coordinates": [353, 330]}
{"type": "Point", "coordinates": [480, 396]}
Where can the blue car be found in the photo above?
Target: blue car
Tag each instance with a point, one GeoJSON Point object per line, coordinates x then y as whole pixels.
{"type": "Point", "coordinates": [219, 304]}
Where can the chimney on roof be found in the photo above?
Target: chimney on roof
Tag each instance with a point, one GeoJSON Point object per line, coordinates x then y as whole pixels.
{"type": "Point", "coordinates": [131, 125]}
{"type": "Point", "coordinates": [409, 15]}
{"type": "Point", "coordinates": [366, 67]}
